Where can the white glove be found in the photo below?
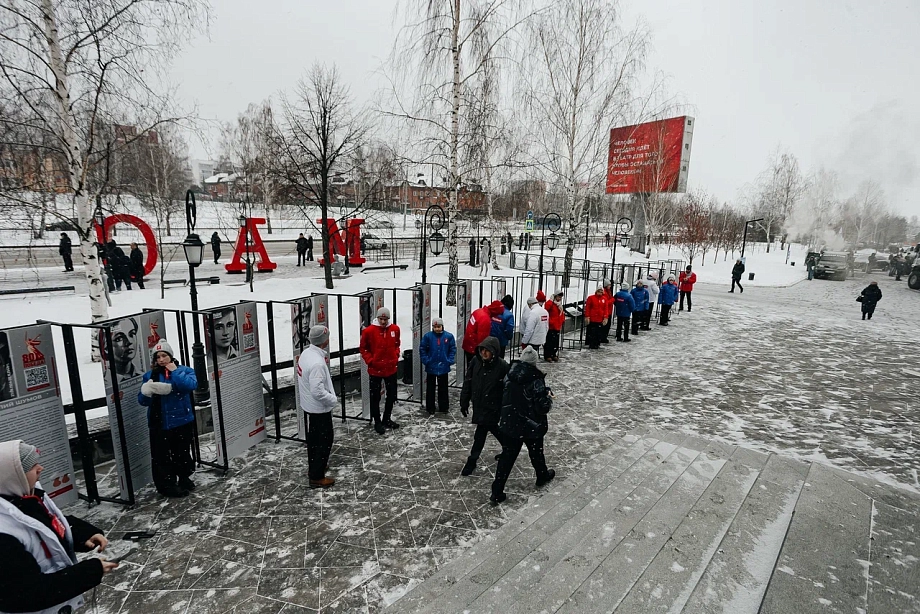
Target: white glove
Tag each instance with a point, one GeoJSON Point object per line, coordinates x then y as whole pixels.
{"type": "Point", "coordinates": [161, 388]}
{"type": "Point", "coordinates": [147, 388]}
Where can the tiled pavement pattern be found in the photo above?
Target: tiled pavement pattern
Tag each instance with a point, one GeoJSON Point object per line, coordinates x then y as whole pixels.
{"type": "Point", "coordinates": [791, 370]}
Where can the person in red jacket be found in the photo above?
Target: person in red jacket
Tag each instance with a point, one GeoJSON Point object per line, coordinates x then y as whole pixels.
{"type": "Point", "coordinates": [597, 313]}
{"type": "Point", "coordinates": [556, 320]}
{"type": "Point", "coordinates": [380, 351]}
{"type": "Point", "coordinates": [479, 327]}
{"type": "Point", "coordinates": [608, 296]}
{"type": "Point", "coordinates": [687, 279]}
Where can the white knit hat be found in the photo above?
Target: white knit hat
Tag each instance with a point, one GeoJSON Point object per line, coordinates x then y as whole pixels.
{"type": "Point", "coordinates": [161, 346]}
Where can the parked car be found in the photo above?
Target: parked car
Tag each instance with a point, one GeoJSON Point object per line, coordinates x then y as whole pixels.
{"type": "Point", "coordinates": [370, 242]}
{"type": "Point", "coordinates": [68, 224]}
{"type": "Point", "coordinates": [832, 265]}
{"type": "Point", "coordinates": [913, 281]}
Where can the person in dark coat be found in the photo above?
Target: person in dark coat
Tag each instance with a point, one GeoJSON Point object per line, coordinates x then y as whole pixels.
{"type": "Point", "coordinates": [472, 252]}
{"type": "Point", "coordinates": [301, 250]}
{"type": "Point", "coordinates": [121, 265]}
{"type": "Point", "coordinates": [525, 403]}
{"type": "Point", "coordinates": [870, 297]}
{"type": "Point", "coordinates": [483, 385]}
{"type": "Point", "coordinates": [310, 248]}
{"type": "Point", "coordinates": [737, 272]}
{"type": "Point", "coordinates": [166, 391]}
{"type": "Point", "coordinates": [39, 571]}
{"type": "Point", "coordinates": [624, 305]}
{"type": "Point", "coordinates": [640, 297]}
{"type": "Point", "coordinates": [137, 265]}
{"type": "Point", "coordinates": [215, 246]}
{"type": "Point", "coordinates": [65, 249]}
{"type": "Point", "coordinates": [438, 352]}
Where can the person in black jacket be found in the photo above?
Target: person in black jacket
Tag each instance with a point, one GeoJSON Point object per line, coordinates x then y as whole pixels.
{"type": "Point", "coordinates": [65, 249]}
{"type": "Point", "coordinates": [870, 297]}
{"type": "Point", "coordinates": [483, 385]}
{"type": "Point", "coordinates": [38, 544]}
{"type": "Point", "coordinates": [525, 404]}
{"type": "Point", "coordinates": [310, 248]}
{"type": "Point", "coordinates": [215, 246]}
{"type": "Point", "coordinates": [137, 265]}
{"type": "Point", "coordinates": [121, 265]}
{"type": "Point", "coordinates": [737, 272]}
{"type": "Point", "coordinates": [301, 250]}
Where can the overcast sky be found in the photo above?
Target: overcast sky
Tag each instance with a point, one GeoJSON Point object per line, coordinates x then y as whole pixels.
{"type": "Point", "coordinates": [836, 82]}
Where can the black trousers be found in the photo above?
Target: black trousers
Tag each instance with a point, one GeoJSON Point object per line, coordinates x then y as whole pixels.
{"type": "Point", "coordinates": [593, 335]}
{"type": "Point", "coordinates": [123, 277]}
{"type": "Point", "coordinates": [320, 436]}
{"type": "Point", "coordinates": [171, 453]}
{"type": "Point", "coordinates": [139, 277]}
{"type": "Point", "coordinates": [68, 262]}
{"type": "Point", "coordinates": [637, 319]}
{"type": "Point", "coordinates": [738, 282]}
{"type": "Point", "coordinates": [665, 314]}
{"type": "Point", "coordinates": [551, 348]}
{"type": "Point", "coordinates": [310, 253]}
{"type": "Point", "coordinates": [689, 296]}
{"type": "Point", "coordinates": [469, 358]}
{"type": "Point", "coordinates": [441, 381]}
{"type": "Point", "coordinates": [390, 383]}
{"type": "Point", "coordinates": [622, 327]}
{"type": "Point", "coordinates": [301, 258]}
{"type": "Point", "coordinates": [510, 450]}
{"type": "Point", "coordinates": [605, 330]}
{"type": "Point", "coordinates": [479, 439]}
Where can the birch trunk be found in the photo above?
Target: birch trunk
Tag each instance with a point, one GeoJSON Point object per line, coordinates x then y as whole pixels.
{"type": "Point", "coordinates": [454, 273]}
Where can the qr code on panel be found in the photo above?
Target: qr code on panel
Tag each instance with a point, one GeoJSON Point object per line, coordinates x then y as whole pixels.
{"type": "Point", "coordinates": [37, 377]}
{"type": "Point", "coordinates": [249, 342]}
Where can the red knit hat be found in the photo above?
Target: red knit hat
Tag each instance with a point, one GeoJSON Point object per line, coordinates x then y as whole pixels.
{"type": "Point", "coordinates": [540, 296]}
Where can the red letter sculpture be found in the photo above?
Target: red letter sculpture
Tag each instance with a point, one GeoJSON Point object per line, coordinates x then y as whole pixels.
{"type": "Point", "coordinates": [146, 232]}
{"type": "Point", "coordinates": [337, 245]}
{"type": "Point", "coordinates": [236, 264]}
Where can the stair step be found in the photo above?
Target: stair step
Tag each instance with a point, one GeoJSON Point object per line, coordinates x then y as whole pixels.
{"type": "Point", "coordinates": [628, 498]}
{"type": "Point", "coordinates": [739, 572]}
{"type": "Point", "coordinates": [666, 585]}
{"type": "Point", "coordinates": [824, 562]}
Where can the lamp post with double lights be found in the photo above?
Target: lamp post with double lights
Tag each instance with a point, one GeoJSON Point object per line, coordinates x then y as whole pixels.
{"type": "Point", "coordinates": [244, 233]}
{"type": "Point", "coordinates": [744, 240]}
{"type": "Point", "coordinates": [621, 235]}
{"type": "Point", "coordinates": [194, 254]}
{"type": "Point", "coordinates": [436, 240]}
{"type": "Point", "coordinates": [555, 223]}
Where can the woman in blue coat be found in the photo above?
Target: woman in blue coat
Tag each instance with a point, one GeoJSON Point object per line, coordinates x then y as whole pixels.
{"type": "Point", "coordinates": [641, 298]}
{"type": "Point", "coordinates": [166, 391]}
{"type": "Point", "coordinates": [438, 351]}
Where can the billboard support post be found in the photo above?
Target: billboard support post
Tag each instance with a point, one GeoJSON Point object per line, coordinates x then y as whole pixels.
{"type": "Point", "coordinates": [79, 412]}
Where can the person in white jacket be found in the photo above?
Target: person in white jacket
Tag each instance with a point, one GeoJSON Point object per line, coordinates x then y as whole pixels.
{"type": "Point", "coordinates": [651, 284]}
{"type": "Point", "coordinates": [536, 325]}
{"type": "Point", "coordinates": [317, 399]}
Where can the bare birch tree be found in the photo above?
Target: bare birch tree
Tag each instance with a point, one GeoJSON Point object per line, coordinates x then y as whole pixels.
{"type": "Point", "coordinates": [781, 188]}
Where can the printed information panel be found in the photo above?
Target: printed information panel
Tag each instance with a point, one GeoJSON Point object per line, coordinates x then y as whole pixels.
{"type": "Point", "coordinates": [464, 310]}
{"type": "Point", "coordinates": [132, 339]}
{"type": "Point", "coordinates": [421, 323]}
{"type": "Point", "coordinates": [305, 314]}
{"type": "Point", "coordinates": [239, 367]}
{"type": "Point", "coordinates": [31, 407]}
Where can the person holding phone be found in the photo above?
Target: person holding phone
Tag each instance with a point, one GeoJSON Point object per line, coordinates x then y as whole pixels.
{"type": "Point", "coordinates": [39, 571]}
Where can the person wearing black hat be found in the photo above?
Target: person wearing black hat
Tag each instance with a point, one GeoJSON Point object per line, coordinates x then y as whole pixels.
{"type": "Point", "coordinates": [39, 571]}
{"type": "Point", "coordinates": [65, 249]}
{"type": "Point", "coordinates": [166, 391]}
{"type": "Point", "coordinates": [317, 399]}
{"type": "Point", "coordinates": [869, 298]}
{"type": "Point", "coordinates": [215, 246]}
{"type": "Point", "coordinates": [483, 383]}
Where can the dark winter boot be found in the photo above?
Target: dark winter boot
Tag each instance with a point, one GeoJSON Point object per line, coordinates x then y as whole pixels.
{"type": "Point", "coordinates": [495, 499]}
{"type": "Point", "coordinates": [469, 467]}
{"type": "Point", "coordinates": [546, 478]}
{"type": "Point", "coordinates": [186, 483]}
{"type": "Point", "coordinates": [378, 426]}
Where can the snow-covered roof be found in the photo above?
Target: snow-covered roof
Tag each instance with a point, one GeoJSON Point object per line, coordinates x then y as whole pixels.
{"type": "Point", "coordinates": [216, 178]}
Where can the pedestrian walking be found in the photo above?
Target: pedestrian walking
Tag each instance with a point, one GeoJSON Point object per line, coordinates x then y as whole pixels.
{"type": "Point", "coordinates": [310, 247]}
{"type": "Point", "coordinates": [556, 320]}
{"type": "Point", "coordinates": [525, 403]}
{"type": "Point", "coordinates": [869, 297]}
{"type": "Point", "coordinates": [485, 253]}
{"type": "Point", "coordinates": [317, 399]}
{"type": "Point", "coordinates": [380, 350]}
{"type": "Point", "coordinates": [607, 239]}
{"type": "Point", "coordinates": [810, 262]}
{"type": "Point", "coordinates": [608, 295]}
{"type": "Point", "coordinates": [686, 281]}
{"type": "Point", "coordinates": [624, 306]}
{"type": "Point", "coordinates": [215, 246]}
{"type": "Point", "coordinates": [301, 250]}
{"type": "Point", "coordinates": [121, 265]}
{"type": "Point", "coordinates": [472, 251]}
{"type": "Point", "coordinates": [900, 265]}
{"type": "Point", "coordinates": [640, 298]}
{"type": "Point", "coordinates": [737, 272]}
{"type": "Point", "coordinates": [667, 296]}
{"type": "Point", "coordinates": [137, 265]}
{"type": "Point", "coordinates": [536, 323]}
{"type": "Point", "coordinates": [438, 352]}
{"type": "Point", "coordinates": [479, 326]}
{"type": "Point", "coordinates": [39, 570]}
{"type": "Point", "coordinates": [597, 314]}
{"type": "Point", "coordinates": [65, 249]}
{"type": "Point", "coordinates": [651, 284]}
{"type": "Point", "coordinates": [521, 241]}
{"type": "Point", "coordinates": [166, 392]}
{"type": "Point", "coordinates": [483, 384]}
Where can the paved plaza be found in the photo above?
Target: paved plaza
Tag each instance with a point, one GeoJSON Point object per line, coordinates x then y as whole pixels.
{"type": "Point", "coordinates": [787, 370]}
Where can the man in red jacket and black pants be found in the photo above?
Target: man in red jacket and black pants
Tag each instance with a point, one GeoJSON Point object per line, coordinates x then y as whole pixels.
{"type": "Point", "coordinates": [687, 279]}
{"type": "Point", "coordinates": [479, 327]}
{"type": "Point", "coordinates": [597, 314]}
{"type": "Point", "coordinates": [380, 351]}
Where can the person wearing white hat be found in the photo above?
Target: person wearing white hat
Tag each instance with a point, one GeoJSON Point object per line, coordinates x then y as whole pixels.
{"type": "Point", "coordinates": [651, 284]}
{"type": "Point", "coordinates": [317, 399]}
{"type": "Point", "coordinates": [39, 571]}
{"type": "Point", "coordinates": [166, 392]}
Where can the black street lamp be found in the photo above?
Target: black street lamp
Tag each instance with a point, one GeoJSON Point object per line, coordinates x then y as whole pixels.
{"type": "Point", "coordinates": [744, 240]}
{"type": "Point", "coordinates": [244, 227]}
{"type": "Point", "coordinates": [194, 254]}
{"type": "Point", "coordinates": [555, 223]}
{"type": "Point", "coordinates": [621, 235]}
{"type": "Point", "coordinates": [436, 241]}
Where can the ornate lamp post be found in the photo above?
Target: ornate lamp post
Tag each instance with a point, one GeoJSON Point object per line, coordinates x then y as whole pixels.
{"type": "Point", "coordinates": [436, 240]}
{"type": "Point", "coordinates": [194, 253]}
{"type": "Point", "coordinates": [555, 223]}
{"type": "Point", "coordinates": [621, 235]}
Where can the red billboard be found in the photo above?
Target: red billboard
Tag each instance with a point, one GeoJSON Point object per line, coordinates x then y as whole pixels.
{"type": "Point", "coordinates": [650, 157]}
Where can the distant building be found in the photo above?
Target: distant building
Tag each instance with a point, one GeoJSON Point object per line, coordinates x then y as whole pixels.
{"type": "Point", "coordinates": [201, 170]}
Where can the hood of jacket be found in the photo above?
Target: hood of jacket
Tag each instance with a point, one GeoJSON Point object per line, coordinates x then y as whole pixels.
{"type": "Point", "coordinates": [12, 477]}
{"type": "Point", "coordinates": [523, 372]}
{"type": "Point", "coordinates": [491, 344]}
{"type": "Point", "coordinates": [496, 308]}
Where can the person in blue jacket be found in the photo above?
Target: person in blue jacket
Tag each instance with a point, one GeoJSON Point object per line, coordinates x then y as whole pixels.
{"type": "Point", "coordinates": [624, 306]}
{"type": "Point", "coordinates": [505, 332]}
{"type": "Point", "coordinates": [438, 351]}
{"type": "Point", "coordinates": [640, 296]}
{"type": "Point", "coordinates": [667, 296]}
{"type": "Point", "coordinates": [166, 390]}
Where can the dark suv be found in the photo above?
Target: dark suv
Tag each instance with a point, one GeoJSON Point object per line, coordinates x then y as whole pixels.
{"type": "Point", "coordinates": [832, 265]}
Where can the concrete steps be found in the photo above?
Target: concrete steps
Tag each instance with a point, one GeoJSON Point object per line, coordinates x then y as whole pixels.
{"type": "Point", "coordinates": [662, 522]}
